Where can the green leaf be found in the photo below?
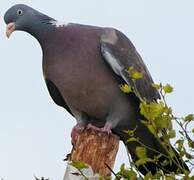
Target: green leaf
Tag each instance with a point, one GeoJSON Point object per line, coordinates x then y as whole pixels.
{"type": "Point", "coordinates": [172, 134]}
{"type": "Point", "coordinates": [179, 143]}
{"type": "Point", "coordinates": [127, 174]}
{"type": "Point", "coordinates": [152, 110]}
{"type": "Point", "coordinates": [158, 175]}
{"type": "Point", "coordinates": [144, 110]}
{"type": "Point", "coordinates": [152, 129]}
{"type": "Point", "coordinates": [125, 88]}
{"type": "Point", "coordinates": [141, 152]}
{"type": "Point", "coordinates": [130, 69]}
{"type": "Point", "coordinates": [148, 176]}
{"type": "Point", "coordinates": [136, 75]}
{"type": "Point", "coordinates": [170, 176]}
{"type": "Point", "coordinates": [79, 165]}
{"type": "Point", "coordinates": [132, 139]}
{"type": "Point", "coordinates": [131, 132]}
{"type": "Point", "coordinates": [162, 122]}
{"type": "Point", "coordinates": [140, 162]}
{"type": "Point", "coordinates": [168, 88]}
{"type": "Point", "coordinates": [149, 126]}
{"type": "Point", "coordinates": [122, 168]}
{"type": "Point", "coordinates": [189, 117]}
{"type": "Point", "coordinates": [157, 86]}
{"type": "Point", "coordinates": [156, 109]}
{"type": "Point", "coordinates": [191, 144]}
{"type": "Point", "coordinates": [143, 161]}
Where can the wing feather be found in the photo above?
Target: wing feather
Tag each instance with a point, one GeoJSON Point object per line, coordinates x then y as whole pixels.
{"type": "Point", "coordinates": [121, 55]}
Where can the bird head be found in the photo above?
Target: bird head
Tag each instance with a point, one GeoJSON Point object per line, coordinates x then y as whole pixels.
{"type": "Point", "coordinates": [24, 18]}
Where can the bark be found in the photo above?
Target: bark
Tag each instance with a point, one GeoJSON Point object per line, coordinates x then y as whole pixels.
{"type": "Point", "coordinates": [96, 149]}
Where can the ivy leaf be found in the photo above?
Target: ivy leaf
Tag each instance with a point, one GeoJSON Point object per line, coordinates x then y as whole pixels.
{"type": "Point", "coordinates": [168, 88]}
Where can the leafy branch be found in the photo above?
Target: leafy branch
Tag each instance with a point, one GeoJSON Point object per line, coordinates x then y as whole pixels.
{"type": "Point", "coordinates": [160, 120]}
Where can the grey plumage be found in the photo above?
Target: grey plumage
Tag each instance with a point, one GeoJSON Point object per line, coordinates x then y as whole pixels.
{"type": "Point", "coordinates": [83, 67]}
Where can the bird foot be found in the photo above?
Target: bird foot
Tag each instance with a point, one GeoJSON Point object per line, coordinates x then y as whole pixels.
{"type": "Point", "coordinates": [75, 132]}
{"type": "Point", "coordinates": [90, 126]}
{"type": "Point", "coordinates": [105, 129]}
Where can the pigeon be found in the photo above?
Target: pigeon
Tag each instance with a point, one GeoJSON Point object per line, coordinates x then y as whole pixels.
{"type": "Point", "coordinates": [83, 67]}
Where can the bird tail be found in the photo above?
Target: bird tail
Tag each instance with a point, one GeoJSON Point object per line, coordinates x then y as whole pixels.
{"type": "Point", "coordinates": [157, 157]}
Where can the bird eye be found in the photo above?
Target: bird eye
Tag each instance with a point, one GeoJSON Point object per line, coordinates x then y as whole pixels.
{"type": "Point", "coordinates": [19, 12]}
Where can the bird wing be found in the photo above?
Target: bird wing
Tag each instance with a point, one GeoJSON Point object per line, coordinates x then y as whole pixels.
{"type": "Point", "coordinates": [122, 57]}
{"type": "Point", "coordinates": [56, 95]}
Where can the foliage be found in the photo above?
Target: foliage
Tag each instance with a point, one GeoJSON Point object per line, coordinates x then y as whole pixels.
{"type": "Point", "coordinates": [160, 120]}
{"type": "Point", "coordinates": [80, 166]}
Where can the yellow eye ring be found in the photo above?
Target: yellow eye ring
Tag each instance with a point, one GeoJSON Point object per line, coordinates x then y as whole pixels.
{"type": "Point", "coordinates": [19, 12]}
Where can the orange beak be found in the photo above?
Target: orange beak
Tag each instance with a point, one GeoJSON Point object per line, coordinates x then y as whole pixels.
{"type": "Point", "coordinates": [9, 29]}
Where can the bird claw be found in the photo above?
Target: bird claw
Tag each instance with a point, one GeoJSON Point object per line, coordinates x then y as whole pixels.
{"type": "Point", "coordinates": [105, 129]}
{"type": "Point", "coordinates": [90, 126]}
{"type": "Point", "coordinates": [75, 132]}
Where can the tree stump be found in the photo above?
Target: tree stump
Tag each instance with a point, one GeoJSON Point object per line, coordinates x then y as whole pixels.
{"type": "Point", "coordinates": [96, 149]}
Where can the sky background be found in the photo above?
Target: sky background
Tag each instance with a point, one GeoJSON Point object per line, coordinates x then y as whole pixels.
{"type": "Point", "coordinates": [34, 132]}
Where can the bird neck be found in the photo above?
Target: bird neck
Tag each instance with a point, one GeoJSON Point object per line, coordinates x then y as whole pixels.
{"type": "Point", "coordinates": [43, 33]}
{"type": "Point", "coordinates": [43, 28]}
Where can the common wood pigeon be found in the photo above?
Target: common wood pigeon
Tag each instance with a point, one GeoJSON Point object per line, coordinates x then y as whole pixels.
{"type": "Point", "coordinates": [84, 67]}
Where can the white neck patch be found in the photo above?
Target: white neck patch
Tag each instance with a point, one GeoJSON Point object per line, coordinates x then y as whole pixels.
{"type": "Point", "coordinates": [58, 24]}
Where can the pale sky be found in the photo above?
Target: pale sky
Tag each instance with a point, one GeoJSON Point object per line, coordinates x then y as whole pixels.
{"type": "Point", "coordinates": [34, 132]}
